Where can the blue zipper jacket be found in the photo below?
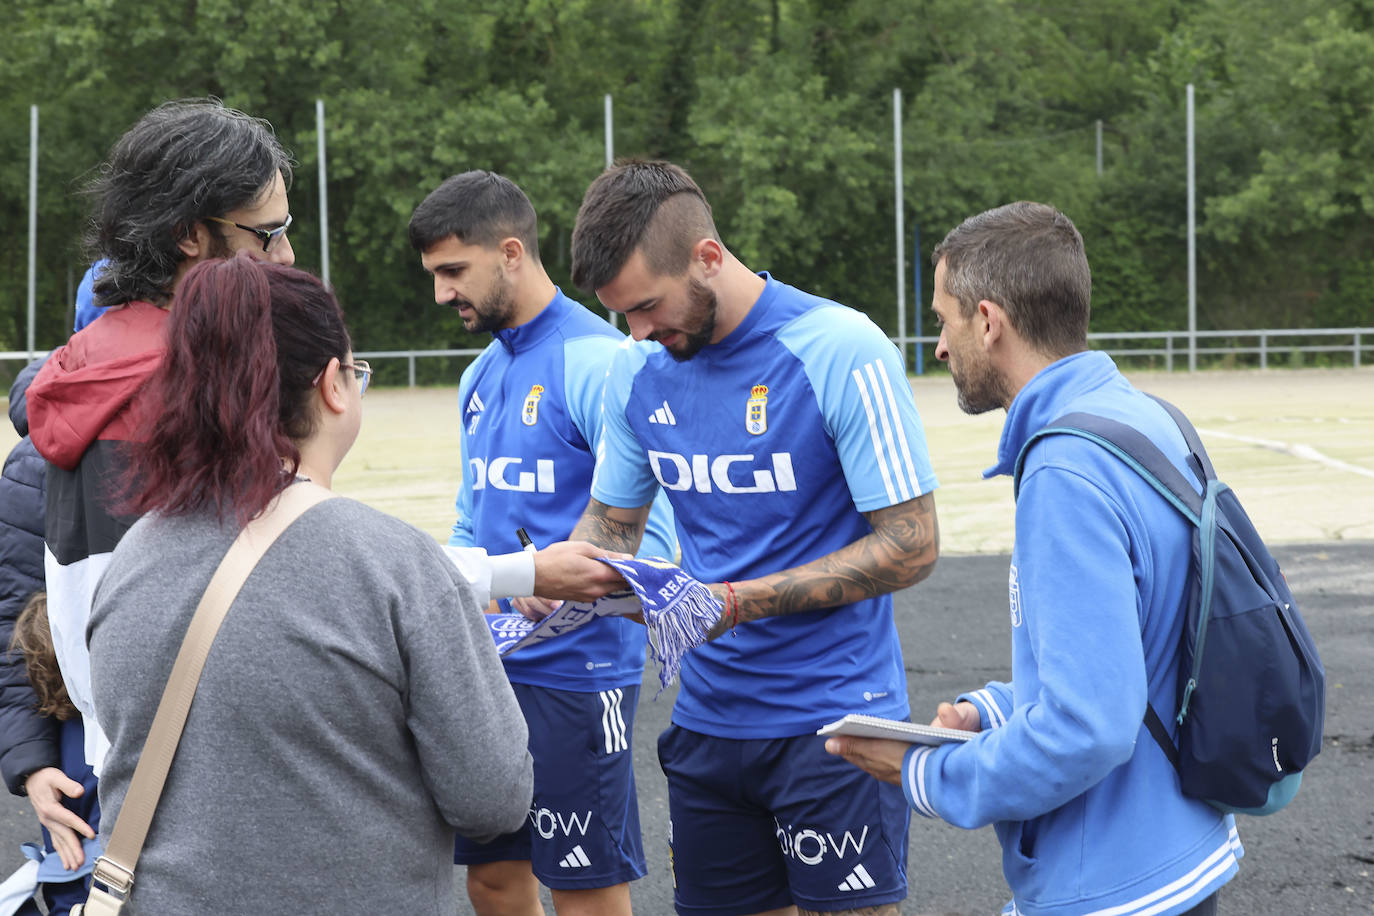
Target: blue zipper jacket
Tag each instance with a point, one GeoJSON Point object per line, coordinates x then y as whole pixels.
{"type": "Point", "coordinates": [1086, 806]}
{"type": "Point", "coordinates": [531, 407]}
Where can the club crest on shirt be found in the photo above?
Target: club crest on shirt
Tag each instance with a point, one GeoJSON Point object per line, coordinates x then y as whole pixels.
{"type": "Point", "coordinates": [1014, 597]}
{"type": "Point", "coordinates": [756, 411]}
{"type": "Point", "coordinates": [530, 415]}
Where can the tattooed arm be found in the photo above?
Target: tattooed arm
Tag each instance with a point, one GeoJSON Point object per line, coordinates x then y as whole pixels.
{"type": "Point", "coordinates": [900, 552]}
{"type": "Point", "coordinates": [611, 527]}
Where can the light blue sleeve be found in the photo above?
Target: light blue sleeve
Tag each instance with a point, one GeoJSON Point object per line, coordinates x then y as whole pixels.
{"type": "Point", "coordinates": [994, 704]}
{"type": "Point", "coordinates": [623, 477]}
{"type": "Point", "coordinates": [867, 403]}
{"type": "Point", "coordinates": [462, 535]}
{"type": "Point", "coordinates": [1089, 690]}
{"type": "Point", "coordinates": [660, 533]}
{"type": "Point", "coordinates": [586, 364]}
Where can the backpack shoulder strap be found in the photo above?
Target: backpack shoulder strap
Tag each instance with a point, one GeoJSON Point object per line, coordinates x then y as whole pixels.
{"type": "Point", "coordinates": [1201, 463]}
{"type": "Point", "coordinates": [1132, 447]}
{"type": "Point", "coordinates": [1161, 735]}
{"type": "Point", "coordinates": [1145, 458]}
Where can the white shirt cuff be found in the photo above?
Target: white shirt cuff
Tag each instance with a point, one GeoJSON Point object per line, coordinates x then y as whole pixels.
{"type": "Point", "coordinates": [512, 574]}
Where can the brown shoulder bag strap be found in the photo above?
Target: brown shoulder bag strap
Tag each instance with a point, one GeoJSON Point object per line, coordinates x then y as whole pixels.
{"type": "Point", "coordinates": [115, 869]}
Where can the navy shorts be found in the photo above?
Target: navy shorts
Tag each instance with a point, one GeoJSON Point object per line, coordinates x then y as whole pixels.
{"type": "Point", "coordinates": [759, 824]}
{"type": "Point", "coordinates": [583, 828]}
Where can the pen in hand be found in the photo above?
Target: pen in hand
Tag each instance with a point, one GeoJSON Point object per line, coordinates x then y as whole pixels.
{"type": "Point", "coordinates": [527, 606]}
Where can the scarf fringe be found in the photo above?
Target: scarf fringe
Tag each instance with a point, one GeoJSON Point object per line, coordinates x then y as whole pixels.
{"type": "Point", "coordinates": [680, 627]}
{"type": "Point", "coordinates": [678, 612]}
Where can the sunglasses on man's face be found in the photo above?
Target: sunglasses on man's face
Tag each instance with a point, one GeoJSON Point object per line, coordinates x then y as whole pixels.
{"type": "Point", "coordinates": [269, 237]}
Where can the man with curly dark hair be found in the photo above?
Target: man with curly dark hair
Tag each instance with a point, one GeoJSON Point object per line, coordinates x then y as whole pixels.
{"type": "Point", "coordinates": [191, 180]}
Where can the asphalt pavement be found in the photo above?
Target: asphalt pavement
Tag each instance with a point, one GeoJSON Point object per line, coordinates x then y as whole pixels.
{"type": "Point", "coordinates": [1315, 857]}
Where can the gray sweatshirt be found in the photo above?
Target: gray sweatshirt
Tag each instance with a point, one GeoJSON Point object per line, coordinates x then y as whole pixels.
{"type": "Point", "coordinates": [353, 714]}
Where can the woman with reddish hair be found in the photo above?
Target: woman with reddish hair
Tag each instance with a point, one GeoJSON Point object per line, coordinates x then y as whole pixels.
{"type": "Point", "coordinates": [352, 714]}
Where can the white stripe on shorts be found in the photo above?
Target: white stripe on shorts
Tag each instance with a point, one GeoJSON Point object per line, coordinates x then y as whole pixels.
{"type": "Point", "coordinates": [613, 722]}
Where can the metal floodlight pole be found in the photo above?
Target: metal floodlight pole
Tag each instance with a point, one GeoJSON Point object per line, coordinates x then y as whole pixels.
{"type": "Point", "coordinates": [1099, 147]}
{"type": "Point", "coordinates": [1192, 242]}
{"type": "Point", "coordinates": [920, 299]}
{"type": "Point", "coordinates": [899, 205]}
{"type": "Point", "coordinates": [611, 316]}
{"type": "Point", "coordinates": [610, 136]}
{"type": "Point", "coordinates": [324, 195]}
{"type": "Point", "coordinates": [33, 220]}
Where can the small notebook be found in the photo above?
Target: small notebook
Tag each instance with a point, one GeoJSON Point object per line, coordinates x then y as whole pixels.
{"type": "Point", "coordinates": [875, 727]}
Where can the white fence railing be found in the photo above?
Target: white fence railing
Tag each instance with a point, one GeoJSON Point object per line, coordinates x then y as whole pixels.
{"type": "Point", "coordinates": [1284, 342]}
{"type": "Point", "coordinates": [1356, 342]}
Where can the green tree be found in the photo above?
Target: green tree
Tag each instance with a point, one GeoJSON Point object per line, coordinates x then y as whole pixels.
{"type": "Point", "coordinates": [782, 111]}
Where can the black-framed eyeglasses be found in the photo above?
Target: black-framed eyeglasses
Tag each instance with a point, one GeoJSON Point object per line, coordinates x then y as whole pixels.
{"type": "Point", "coordinates": [362, 371]}
{"type": "Point", "coordinates": [268, 237]}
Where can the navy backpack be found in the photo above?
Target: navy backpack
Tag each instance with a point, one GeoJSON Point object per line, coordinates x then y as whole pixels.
{"type": "Point", "coordinates": [1252, 691]}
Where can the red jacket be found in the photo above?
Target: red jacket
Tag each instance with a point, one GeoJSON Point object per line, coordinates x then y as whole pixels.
{"type": "Point", "coordinates": [90, 388]}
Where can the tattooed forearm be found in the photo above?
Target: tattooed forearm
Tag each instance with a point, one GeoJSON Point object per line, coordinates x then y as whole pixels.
{"type": "Point", "coordinates": [900, 552]}
{"type": "Point", "coordinates": [611, 527]}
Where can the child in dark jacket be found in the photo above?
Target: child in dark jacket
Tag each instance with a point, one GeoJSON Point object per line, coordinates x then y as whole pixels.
{"type": "Point", "coordinates": [62, 876]}
{"type": "Point", "coordinates": [40, 756]}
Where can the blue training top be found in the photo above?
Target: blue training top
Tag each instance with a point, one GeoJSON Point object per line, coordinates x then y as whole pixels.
{"type": "Point", "coordinates": [770, 445]}
{"type": "Point", "coordinates": [531, 407]}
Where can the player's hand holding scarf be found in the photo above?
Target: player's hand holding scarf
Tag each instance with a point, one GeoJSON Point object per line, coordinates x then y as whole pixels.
{"type": "Point", "coordinates": [678, 610]}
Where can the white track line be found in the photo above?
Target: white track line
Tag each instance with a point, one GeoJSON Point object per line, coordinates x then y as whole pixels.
{"type": "Point", "coordinates": [1297, 450]}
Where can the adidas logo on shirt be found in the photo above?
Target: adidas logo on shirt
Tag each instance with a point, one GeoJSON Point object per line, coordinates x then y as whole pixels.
{"type": "Point", "coordinates": [859, 880]}
{"type": "Point", "coordinates": [575, 859]}
{"type": "Point", "coordinates": [663, 415]}
{"type": "Point", "coordinates": [474, 412]}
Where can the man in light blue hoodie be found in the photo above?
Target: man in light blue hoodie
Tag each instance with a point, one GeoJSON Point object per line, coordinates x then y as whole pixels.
{"type": "Point", "coordinates": [1087, 807]}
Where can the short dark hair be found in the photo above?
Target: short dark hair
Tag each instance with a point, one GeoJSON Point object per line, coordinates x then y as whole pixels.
{"type": "Point", "coordinates": [244, 346]}
{"type": "Point", "coordinates": [477, 208]}
{"type": "Point", "coordinates": [181, 162]}
{"type": "Point", "coordinates": [1029, 259]}
{"type": "Point", "coordinates": [636, 204]}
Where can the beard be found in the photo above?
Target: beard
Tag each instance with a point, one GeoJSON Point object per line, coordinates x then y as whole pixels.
{"type": "Point", "coordinates": [702, 317]}
{"type": "Point", "coordinates": [219, 246]}
{"type": "Point", "coordinates": [492, 313]}
{"type": "Point", "coordinates": [978, 387]}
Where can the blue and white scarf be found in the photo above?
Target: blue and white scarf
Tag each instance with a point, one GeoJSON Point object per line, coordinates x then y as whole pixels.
{"type": "Point", "coordinates": [678, 610]}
